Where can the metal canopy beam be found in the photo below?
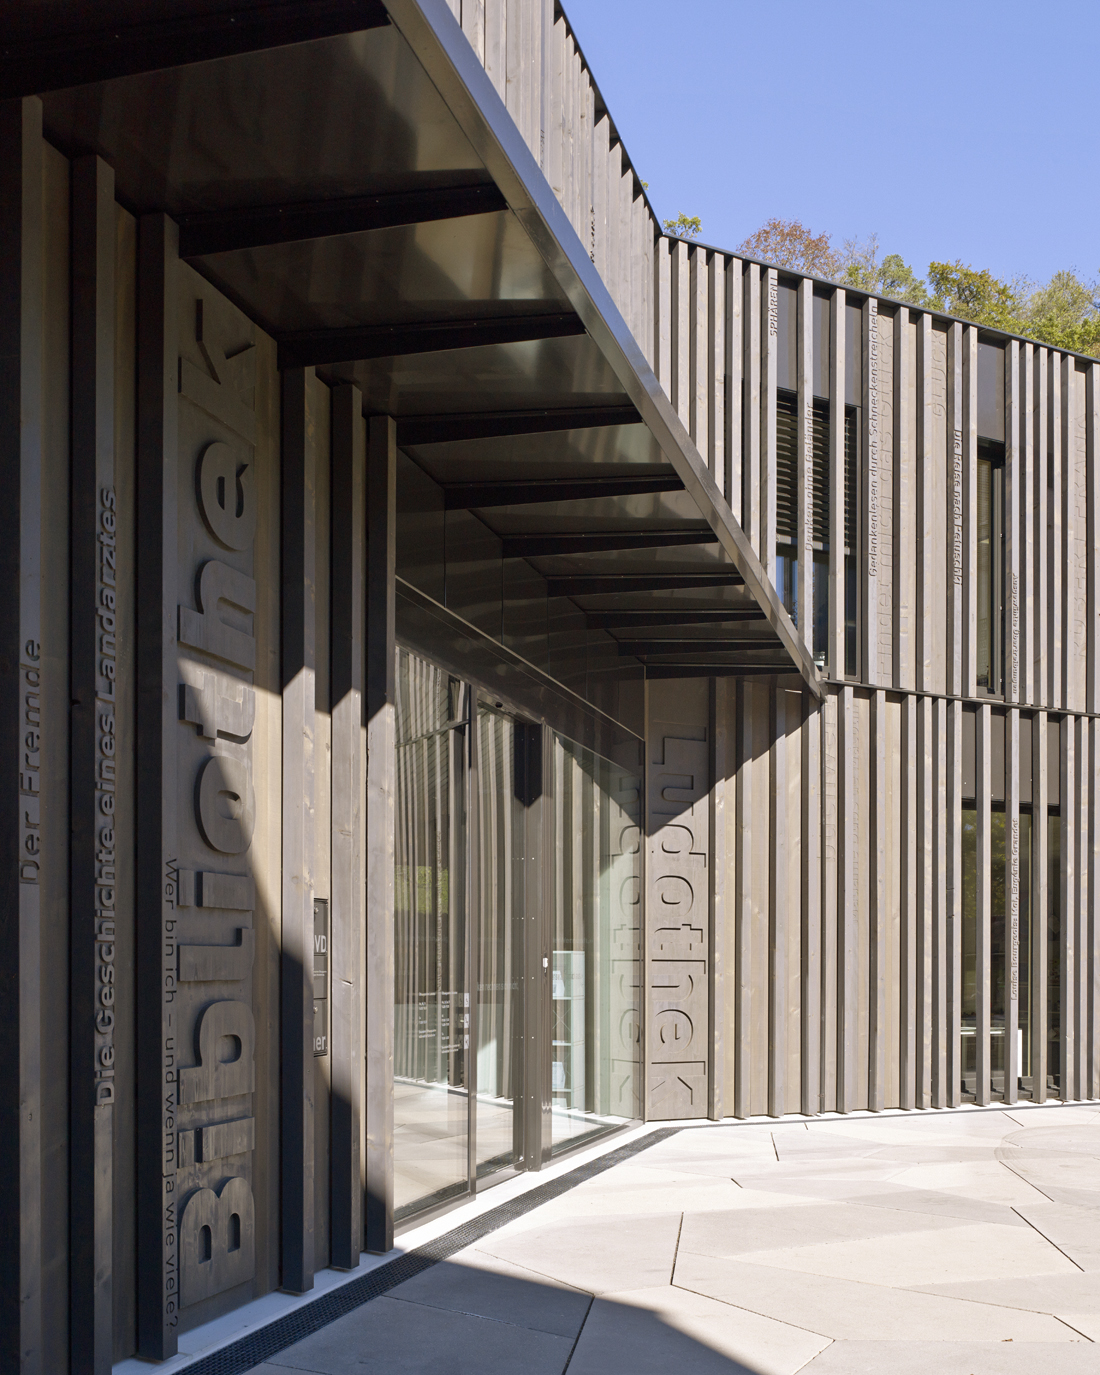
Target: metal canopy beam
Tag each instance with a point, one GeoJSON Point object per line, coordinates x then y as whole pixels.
{"type": "Point", "coordinates": [639, 649]}
{"type": "Point", "coordinates": [533, 546]}
{"type": "Point", "coordinates": [465, 496]}
{"type": "Point", "coordinates": [721, 671]}
{"type": "Point", "coordinates": [644, 620]}
{"type": "Point", "coordinates": [105, 42]}
{"type": "Point", "coordinates": [446, 429]}
{"type": "Point", "coordinates": [592, 584]}
{"type": "Point", "coordinates": [317, 347]}
{"type": "Point", "coordinates": [228, 231]}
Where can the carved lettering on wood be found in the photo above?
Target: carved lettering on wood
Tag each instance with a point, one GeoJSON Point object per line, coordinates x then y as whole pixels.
{"type": "Point", "coordinates": [217, 1240]}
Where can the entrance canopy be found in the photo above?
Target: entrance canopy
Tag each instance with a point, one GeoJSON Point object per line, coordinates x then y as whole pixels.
{"type": "Point", "coordinates": [361, 192]}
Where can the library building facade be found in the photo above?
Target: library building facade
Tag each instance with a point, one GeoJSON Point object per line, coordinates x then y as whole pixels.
{"type": "Point", "coordinates": [484, 672]}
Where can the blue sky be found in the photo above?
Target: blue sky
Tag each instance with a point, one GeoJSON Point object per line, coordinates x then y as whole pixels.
{"type": "Point", "coordinates": [955, 130]}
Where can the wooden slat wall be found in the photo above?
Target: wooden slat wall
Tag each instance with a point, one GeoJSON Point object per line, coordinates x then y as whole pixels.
{"type": "Point", "coordinates": [841, 822]}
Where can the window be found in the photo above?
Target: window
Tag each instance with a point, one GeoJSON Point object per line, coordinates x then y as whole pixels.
{"type": "Point", "coordinates": [786, 500]}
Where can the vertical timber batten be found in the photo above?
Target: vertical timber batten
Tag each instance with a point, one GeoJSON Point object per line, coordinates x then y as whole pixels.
{"type": "Point", "coordinates": [299, 698]}
{"type": "Point", "coordinates": [159, 1044]}
{"type": "Point", "coordinates": [381, 677]}
{"type": "Point", "coordinates": [93, 913]}
{"type": "Point", "coordinates": [21, 443]}
{"type": "Point", "coordinates": [348, 821]}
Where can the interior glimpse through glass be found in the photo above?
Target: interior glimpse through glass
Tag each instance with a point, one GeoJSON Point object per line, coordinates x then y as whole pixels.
{"type": "Point", "coordinates": [596, 946]}
{"type": "Point", "coordinates": [969, 1053]}
{"type": "Point", "coordinates": [431, 1001]}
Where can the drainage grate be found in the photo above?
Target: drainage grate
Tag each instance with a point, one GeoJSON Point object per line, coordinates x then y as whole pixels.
{"type": "Point", "coordinates": [242, 1355]}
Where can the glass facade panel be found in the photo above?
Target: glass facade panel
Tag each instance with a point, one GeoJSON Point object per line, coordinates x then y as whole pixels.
{"type": "Point", "coordinates": [500, 949]}
{"type": "Point", "coordinates": [596, 946]}
{"type": "Point", "coordinates": [1023, 1009]}
{"type": "Point", "coordinates": [969, 1054]}
{"type": "Point", "coordinates": [1054, 954]}
{"type": "Point", "coordinates": [431, 1002]}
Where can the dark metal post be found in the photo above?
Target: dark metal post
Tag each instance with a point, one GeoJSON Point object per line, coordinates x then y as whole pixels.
{"type": "Point", "coordinates": [93, 843]}
{"type": "Point", "coordinates": [348, 815]}
{"type": "Point", "coordinates": [157, 1025]}
{"type": "Point", "coordinates": [299, 702]}
{"type": "Point", "coordinates": [381, 801]}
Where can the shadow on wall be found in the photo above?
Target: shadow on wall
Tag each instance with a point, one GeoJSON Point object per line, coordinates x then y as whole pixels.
{"type": "Point", "coordinates": [465, 1319]}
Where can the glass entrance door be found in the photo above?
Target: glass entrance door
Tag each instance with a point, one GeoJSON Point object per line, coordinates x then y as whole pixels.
{"type": "Point", "coordinates": [517, 941]}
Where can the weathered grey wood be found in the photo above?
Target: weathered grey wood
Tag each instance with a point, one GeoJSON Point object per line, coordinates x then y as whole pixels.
{"type": "Point", "coordinates": [751, 416]}
{"type": "Point", "coordinates": [157, 1028]}
{"type": "Point", "coordinates": [970, 511]}
{"type": "Point", "coordinates": [1067, 879]}
{"type": "Point", "coordinates": [716, 370]}
{"type": "Point", "coordinates": [723, 739]}
{"type": "Point", "coordinates": [1082, 806]}
{"type": "Point", "coordinates": [21, 674]}
{"type": "Point", "coordinates": [880, 894]}
{"type": "Point", "coordinates": [1010, 684]}
{"type": "Point", "coordinates": [925, 507]}
{"type": "Point", "coordinates": [908, 1012]}
{"type": "Point", "coordinates": [926, 877]}
{"type": "Point", "coordinates": [904, 533]}
{"type": "Point", "coordinates": [812, 721]}
{"type": "Point", "coordinates": [1056, 532]}
{"type": "Point", "coordinates": [1027, 525]}
{"type": "Point", "coordinates": [830, 896]}
{"type": "Point", "coordinates": [1040, 654]}
{"type": "Point", "coordinates": [941, 972]}
{"type": "Point", "coordinates": [956, 505]}
{"type": "Point", "coordinates": [94, 704]}
{"type": "Point", "coordinates": [348, 915]}
{"type": "Point", "coordinates": [1012, 906]}
{"type": "Point", "coordinates": [734, 365]}
{"type": "Point", "coordinates": [1092, 419]}
{"type": "Point", "coordinates": [1040, 899]}
{"type": "Point", "coordinates": [1092, 925]}
{"type": "Point", "coordinates": [680, 276]}
{"type": "Point", "coordinates": [769, 363]}
{"type": "Point", "coordinates": [836, 486]}
{"type": "Point", "coordinates": [742, 1046]}
{"type": "Point", "coordinates": [662, 291]}
{"type": "Point", "coordinates": [698, 348]}
{"type": "Point", "coordinates": [982, 970]}
{"type": "Point", "coordinates": [871, 528]}
{"type": "Point", "coordinates": [778, 888]}
{"type": "Point", "coordinates": [299, 696]}
{"type": "Point", "coordinates": [954, 902]}
{"type": "Point", "coordinates": [804, 472]}
{"type": "Point", "coordinates": [381, 492]}
{"type": "Point", "coordinates": [848, 905]}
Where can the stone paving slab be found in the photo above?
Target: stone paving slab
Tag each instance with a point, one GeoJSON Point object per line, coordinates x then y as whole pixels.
{"type": "Point", "coordinates": [958, 1243]}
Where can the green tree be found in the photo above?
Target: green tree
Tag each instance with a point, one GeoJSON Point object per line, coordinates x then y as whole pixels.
{"type": "Point", "coordinates": [1065, 313]}
{"type": "Point", "coordinates": [683, 226]}
{"type": "Point", "coordinates": [959, 289]}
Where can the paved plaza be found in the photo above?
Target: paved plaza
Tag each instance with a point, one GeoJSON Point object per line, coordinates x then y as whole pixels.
{"type": "Point", "coordinates": [961, 1243]}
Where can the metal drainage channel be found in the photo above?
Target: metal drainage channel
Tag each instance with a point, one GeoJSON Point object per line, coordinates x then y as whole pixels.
{"type": "Point", "coordinates": [241, 1356]}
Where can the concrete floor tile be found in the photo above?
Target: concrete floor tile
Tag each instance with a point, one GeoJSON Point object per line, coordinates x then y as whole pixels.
{"type": "Point", "coordinates": [954, 1358]}
{"type": "Point", "coordinates": [485, 1286]}
{"type": "Point", "coordinates": [933, 1203]}
{"type": "Point", "coordinates": [1078, 1292]}
{"type": "Point", "coordinates": [637, 1190]}
{"type": "Point", "coordinates": [1088, 1324]}
{"type": "Point", "coordinates": [654, 1331]}
{"type": "Point", "coordinates": [809, 1145]}
{"type": "Point", "coordinates": [856, 1311]}
{"type": "Point", "coordinates": [907, 1259]}
{"type": "Point", "coordinates": [1075, 1231]}
{"type": "Point", "coordinates": [1050, 1169]}
{"type": "Point", "coordinates": [1077, 1140]}
{"type": "Point", "coordinates": [390, 1337]}
{"type": "Point", "coordinates": [737, 1233]}
{"type": "Point", "coordinates": [634, 1253]}
{"type": "Point", "coordinates": [992, 1180]}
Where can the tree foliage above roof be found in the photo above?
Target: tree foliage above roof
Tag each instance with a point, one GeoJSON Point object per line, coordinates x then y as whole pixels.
{"type": "Point", "coordinates": [1064, 312]}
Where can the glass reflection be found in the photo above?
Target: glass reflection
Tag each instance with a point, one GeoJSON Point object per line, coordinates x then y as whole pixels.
{"type": "Point", "coordinates": [596, 946]}
{"type": "Point", "coordinates": [431, 1004]}
{"type": "Point", "coordinates": [500, 949]}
